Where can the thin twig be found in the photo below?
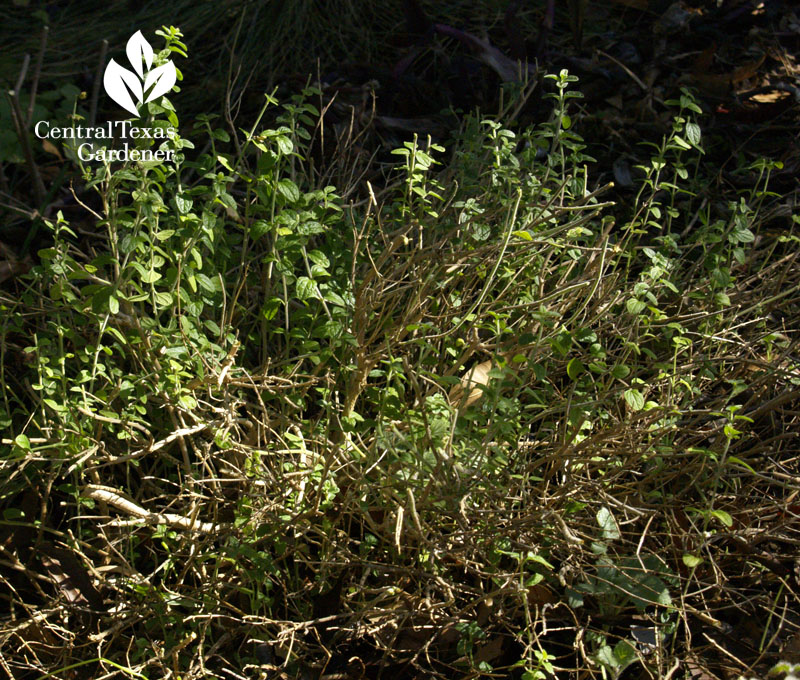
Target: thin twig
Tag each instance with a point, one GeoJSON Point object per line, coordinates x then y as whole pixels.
{"type": "Point", "coordinates": [22, 133]}
{"type": "Point", "coordinates": [23, 72]}
{"type": "Point", "coordinates": [632, 75]}
{"type": "Point", "coordinates": [36, 73]}
{"type": "Point", "coordinates": [96, 85]}
{"type": "Point", "coordinates": [113, 497]}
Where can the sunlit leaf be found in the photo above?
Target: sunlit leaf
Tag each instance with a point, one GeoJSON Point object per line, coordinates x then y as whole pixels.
{"type": "Point", "coordinates": [634, 399]}
{"type": "Point", "coordinates": [608, 524]}
{"type": "Point", "coordinates": [691, 561]}
{"type": "Point", "coordinates": [723, 517]}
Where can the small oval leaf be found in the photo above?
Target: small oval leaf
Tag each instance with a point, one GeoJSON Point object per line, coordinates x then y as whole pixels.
{"type": "Point", "coordinates": [634, 399]}
{"type": "Point", "coordinates": [608, 524]}
{"type": "Point", "coordinates": [306, 288]}
{"type": "Point", "coordinates": [692, 561]}
{"type": "Point", "coordinates": [288, 190]}
{"type": "Point", "coordinates": [23, 442]}
{"type": "Point", "coordinates": [723, 517]}
{"type": "Point", "coordinates": [574, 368]}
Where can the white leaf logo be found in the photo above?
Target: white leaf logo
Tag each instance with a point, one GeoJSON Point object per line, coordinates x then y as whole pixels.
{"type": "Point", "coordinates": [138, 50]}
{"type": "Point", "coordinates": [161, 79]}
{"type": "Point", "coordinates": [115, 79]}
{"type": "Point", "coordinates": [119, 82]}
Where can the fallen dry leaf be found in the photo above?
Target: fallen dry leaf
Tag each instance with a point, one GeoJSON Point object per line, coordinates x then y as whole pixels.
{"type": "Point", "coordinates": [469, 391]}
{"type": "Point", "coordinates": [70, 575]}
{"type": "Point", "coordinates": [51, 148]}
{"type": "Point", "coordinates": [747, 71]}
{"type": "Point", "coordinates": [490, 651]}
{"type": "Point", "coordinates": [541, 594]}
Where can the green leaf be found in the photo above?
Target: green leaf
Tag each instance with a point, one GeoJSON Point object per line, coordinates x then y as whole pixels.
{"type": "Point", "coordinates": [574, 597]}
{"type": "Point", "coordinates": [723, 517]}
{"type": "Point", "coordinates": [634, 399]}
{"type": "Point", "coordinates": [23, 442]}
{"type": "Point", "coordinates": [318, 272]}
{"type": "Point", "coordinates": [163, 299]}
{"type": "Point", "coordinates": [635, 306]}
{"type": "Point", "coordinates": [288, 190]}
{"type": "Point", "coordinates": [113, 304]}
{"type": "Point", "coordinates": [721, 277]}
{"type": "Point", "coordinates": [285, 145]}
{"type": "Point", "coordinates": [533, 675]}
{"type": "Point", "coordinates": [693, 133]}
{"type": "Point", "coordinates": [270, 308]}
{"type": "Point", "coordinates": [151, 276]}
{"type": "Point", "coordinates": [198, 258]}
{"type": "Point", "coordinates": [692, 561]}
{"type": "Point", "coordinates": [538, 559]}
{"type": "Point", "coordinates": [680, 142]}
{"type": "Point", "coordinates": [330, 329]}
{"type": "Point", "coordinates": [206, 283]}
{"type": "Point", "coordinates": [100, 300]}
{"type": "Point", "coordinates": [624, 653]}
{"type": "Point", "coordinates": [575, 368]}
{"type": "Point", "coordinates": [258, 229]}
{"type": "Point", "coordinates": [318, 257]}
{"type": "Point", "coordinates": [731, 432]}
{"type": "Point", "coordinates": [184, 204]}
{"type": "Point", "coordinates": [117, 335]}
{"type": "Point", "coordinates": [691, 106]}
{"type": "Point", "coordinates": [620, 371]}
{"type": "Point", "coordinates": [607, 523]}
{"type": "Point", "coordinates": [306, 288]}
{"type": "Point", "coordinates": [188, 401]}
{"type": "Point", "coordinates": [334, 298]}
{"type": "Point", "coordinates": [605, 656]}
{"type": "Point", "coordinates": [53, 404]}
{"type": "Point", "coordinates": [733, 460]}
